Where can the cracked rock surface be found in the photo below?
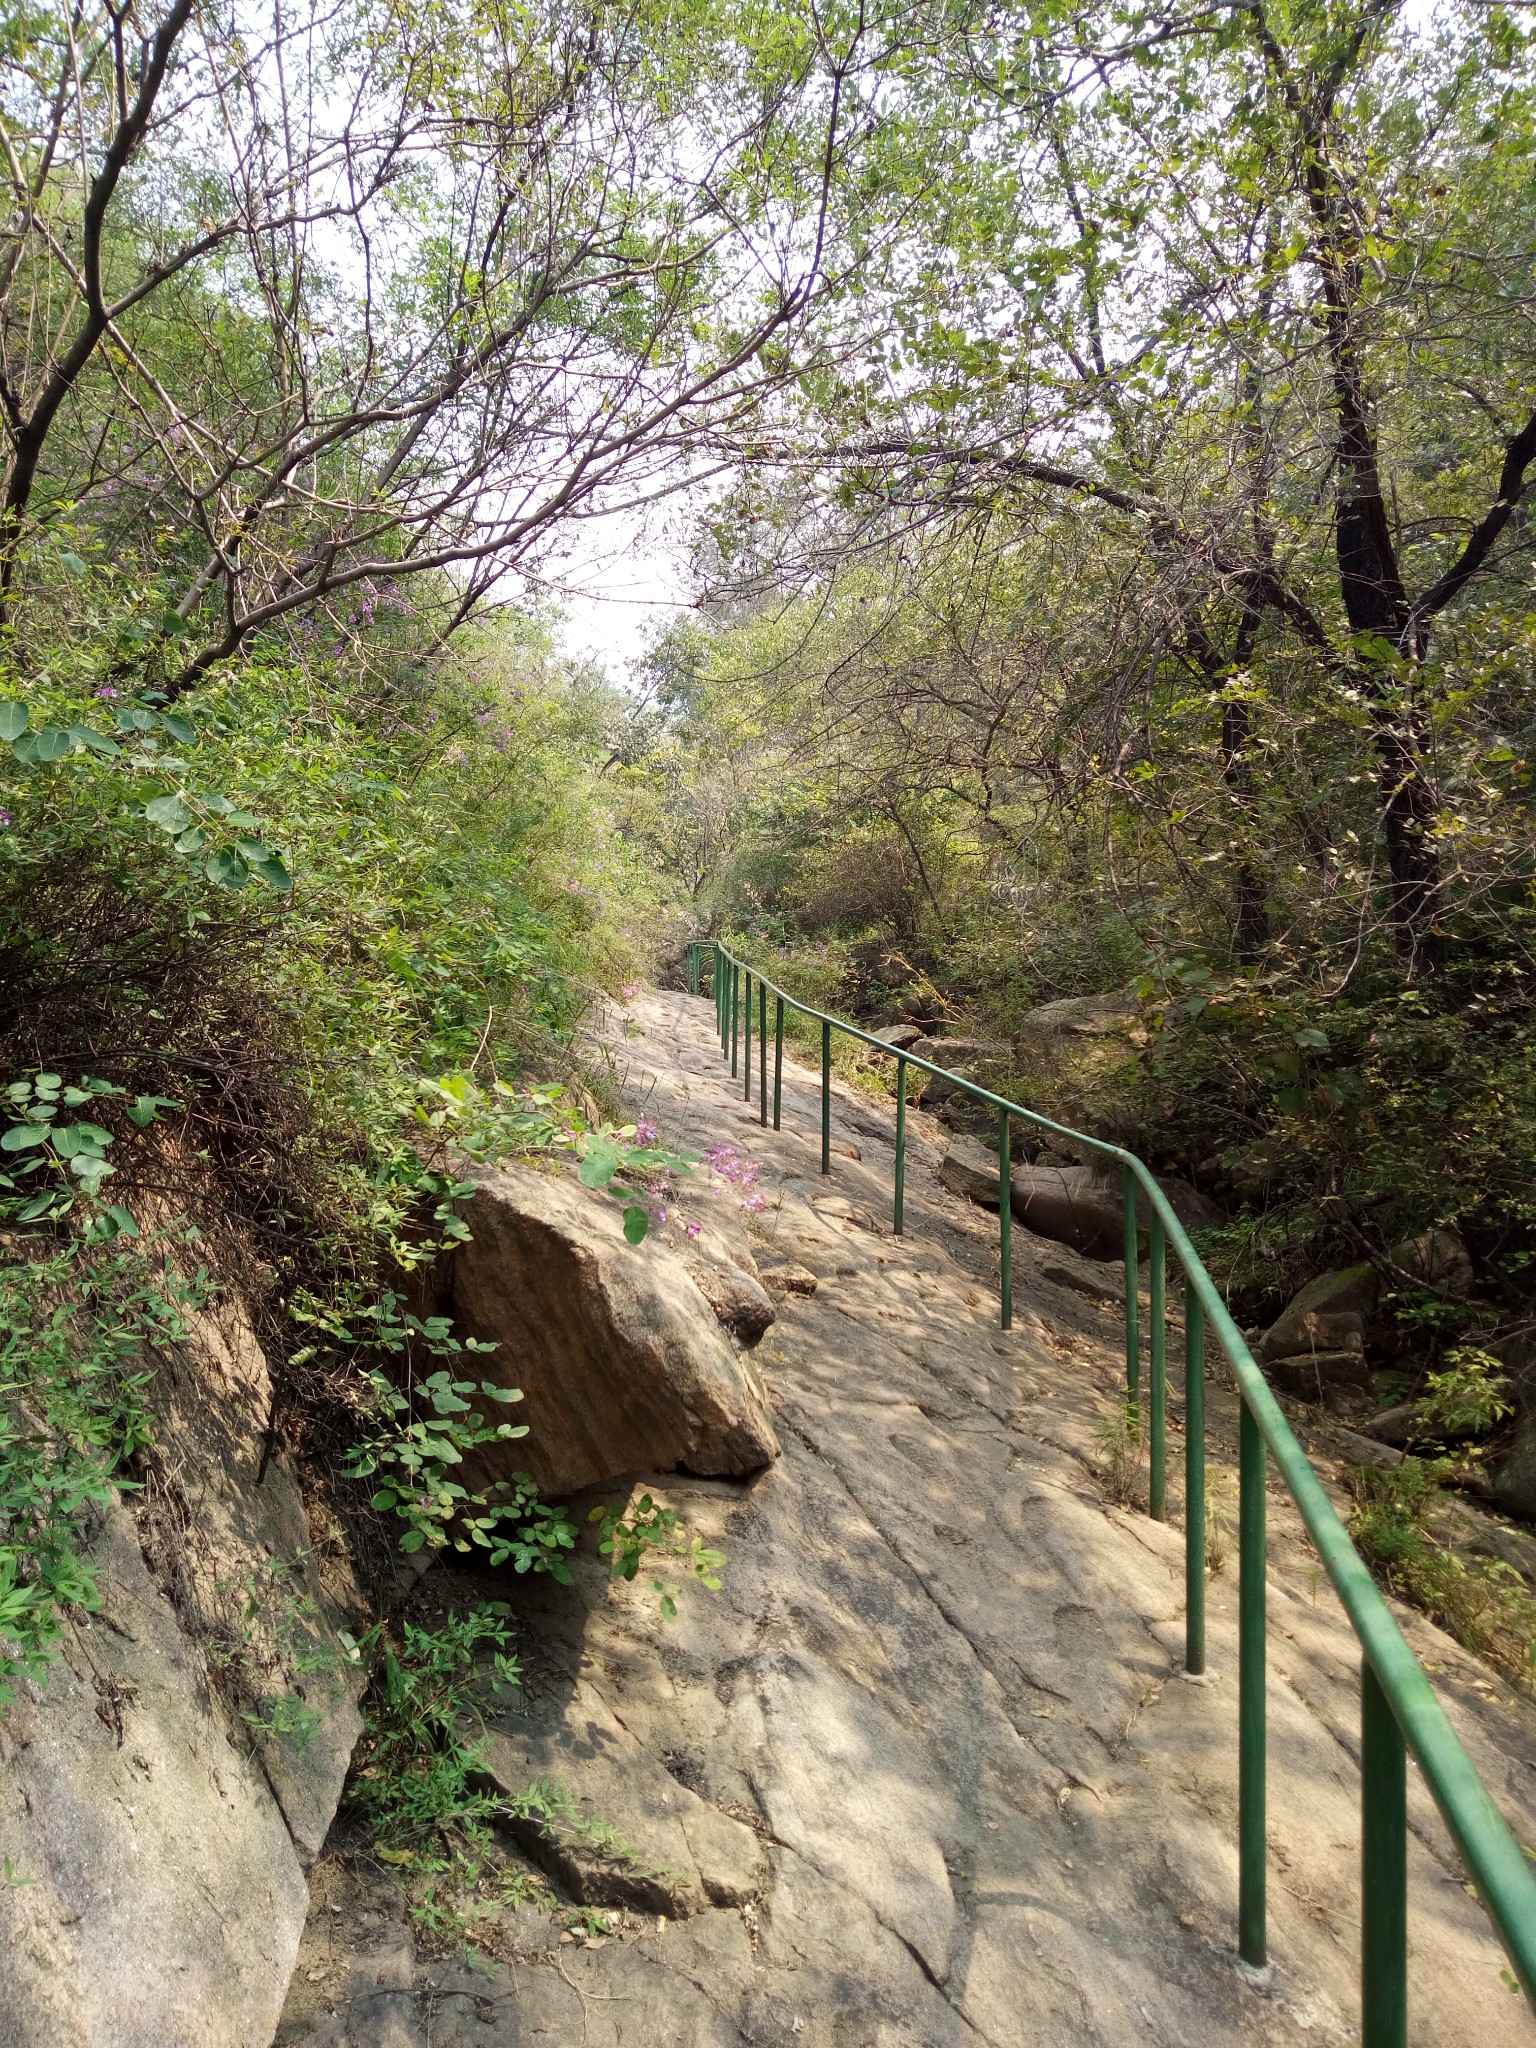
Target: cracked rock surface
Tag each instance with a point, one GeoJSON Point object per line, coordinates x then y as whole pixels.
{"type": "Point", "coordinates": [926, 1771]}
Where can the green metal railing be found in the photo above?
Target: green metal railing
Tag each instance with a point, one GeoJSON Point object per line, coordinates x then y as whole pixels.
{"type": "Point", "coordinates": [1399, 1713]}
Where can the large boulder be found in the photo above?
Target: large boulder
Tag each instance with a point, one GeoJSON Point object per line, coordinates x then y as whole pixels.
{"type": "Point", "coordinates": [901, 1037]}
{"type": "Point", "coordinates": [968, 1168]}
{"type": "Point", "coordinates": [1436, 1258]}
{"type": "Point", "coordinates": [1324, 1312]}
{"type": "Point", "coordinates": [166, 1782]}
{"type": "Point", "coordinates": [1073, 1204]}
{"type": "Point", "coordinates": [622, 1363]}
{"type": "Point", "coordinates": [1111, 1016]}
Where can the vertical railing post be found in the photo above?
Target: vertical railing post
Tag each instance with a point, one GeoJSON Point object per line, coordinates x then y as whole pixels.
{"type": "Point", "coordinates": [1132, 1293]}
{"type": "Point", "coordinates": [735, 1013]}
{"type": "Point", "coordinates": [746, 1037]}
{"type": "Point", "coordinates": [826, 1096]}
{"type": "Point", "coordinates": [1194, 1482]}
{"type": "Point", "coordinates": [762, 1052]}
{"type": "Point", "coordinates": [1005, 1215]}
{"type": "Point", "coordinates": [1252, 1938]}
{"type": "Point", "coordinates": [900, 1200]}
{"type": "Point", "coordinates": [778, 1058]}
{"type": "Point", "coordinates": [1157, 1486]}
{"type": "Point", "coordinates": [1383, 1869]}
{"type": "Point", "coordinates": [720, 995]}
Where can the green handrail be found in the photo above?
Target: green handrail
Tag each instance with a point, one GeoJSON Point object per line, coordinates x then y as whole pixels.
{"type": "Point", "coordinates": [1400, 1714]}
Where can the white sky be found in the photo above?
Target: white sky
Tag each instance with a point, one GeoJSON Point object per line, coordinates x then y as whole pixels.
{"type": "Point", "coordinates": [621, 581]}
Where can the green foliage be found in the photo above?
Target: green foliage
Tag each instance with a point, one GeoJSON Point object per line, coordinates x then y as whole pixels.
{"type": "Point", "coordinates": [414, 1781]}
{"type": "Point", "coordinates": [420, 1436]}
{"type": "Point", "coordinates": [70, 1157]}
{"type": "Point", "coordinates": [80, 1321]}
{"type": "Point", "coordinates": [1484, 1602]}
{"type": "Point", "coordinates": [1466, 1398]}
{"type": "Point", "coordinates": [494, 1123]}
{"type": "Point", "coordinates": [627, 1540]}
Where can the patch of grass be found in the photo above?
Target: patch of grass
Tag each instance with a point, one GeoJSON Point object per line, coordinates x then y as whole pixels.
{"type": "Point", "coordinates": [1484, 1603]}
{"type": "Point", "coordinates": [1122, 1443]}
{"type": "Point", "coordinates": [414, 1781]}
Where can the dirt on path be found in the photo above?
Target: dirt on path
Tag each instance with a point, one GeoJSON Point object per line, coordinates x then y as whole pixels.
{"type": "Point", "coordinates": [926, 1771]}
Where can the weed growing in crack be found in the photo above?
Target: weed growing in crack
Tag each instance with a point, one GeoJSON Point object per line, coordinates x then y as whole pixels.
{"type": "Point", "coordinates": [1122, 1441]}
{"type": "Point", "coordinates": [650, 1527]}
{"type": "Point", "coordinates": [415, 1778]}
{"type": "Point", "coordinates": [1218, 1519]}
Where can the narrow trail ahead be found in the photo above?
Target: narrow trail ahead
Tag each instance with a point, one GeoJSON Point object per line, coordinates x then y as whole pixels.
{"type": "Point", "coordinates": [926, 1772]}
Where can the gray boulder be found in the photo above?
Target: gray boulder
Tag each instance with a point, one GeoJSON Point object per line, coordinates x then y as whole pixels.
{"type": "Point", "coordinates": [1436, 1258]}
{"type": "Point", "coordinates": [900, 1036]}
{"type": "Point", "coordinates": [968, 1168]}
{"type": "Point", "coordinates": [1111, 1016]}
{"type": "Point", "coordinates": [1308, 1322]}
{"type": "Point", "coordinates": [1319, 1375]}
{"type": "Point", "coordinates": [1074, 1205]}
{"type": "Point", "coordinates": [621, 1360]}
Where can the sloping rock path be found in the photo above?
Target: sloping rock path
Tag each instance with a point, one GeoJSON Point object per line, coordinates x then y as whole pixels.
{"type": "Point", "coordinates": [926, 1771]}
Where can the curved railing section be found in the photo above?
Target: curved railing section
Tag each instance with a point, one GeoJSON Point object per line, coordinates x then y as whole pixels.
{"type": "Point", "coordinates": [1399, 1713]}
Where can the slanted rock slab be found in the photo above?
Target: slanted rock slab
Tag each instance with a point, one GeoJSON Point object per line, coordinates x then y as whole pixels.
{"type": "Point", "coordinates": [621, 1360]}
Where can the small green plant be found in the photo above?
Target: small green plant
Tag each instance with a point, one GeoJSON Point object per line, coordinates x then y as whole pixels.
{"type": "Point", "coordinates": [288, 1718]}
{"type": "Point", "coordinates": [414, 1779]}
{"type": "Point", "coordinates": [650, 1527]}
{"type": "Point", "coordinates": [1484, 1602]}
{"type": "Point", "coordinates": [423, 1434]}
{"type": "Point", "coordinates": [1218, 1520]}
{"type": "Point", "coordinates": [1121, 1438]}
{"type": "Point", "coordinates": [1467, 1398]}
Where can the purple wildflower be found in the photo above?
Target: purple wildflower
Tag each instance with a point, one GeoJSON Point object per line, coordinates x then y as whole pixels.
{"type": "Point", "coordinates": [106, 690]}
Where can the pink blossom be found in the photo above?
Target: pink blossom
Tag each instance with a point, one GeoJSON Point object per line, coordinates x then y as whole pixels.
{"type": "Point", "coordinates": [646, 1132]}
{"type": "Point", "coordinates": [106, 690]}
{"type": "Point", "coordinates": [692, 1229]}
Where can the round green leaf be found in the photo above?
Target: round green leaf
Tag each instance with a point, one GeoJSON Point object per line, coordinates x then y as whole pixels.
{"type": "Point", "coordinates": [169, 813]}
{"type": "Point", "coordinates": [226, 870]}
{"type": "Point", "coordinates": [636, 1223]}
{"type": "Point", "coordinates": [271, 870]}
{"type": "Point", "coordinates": [14, 719]}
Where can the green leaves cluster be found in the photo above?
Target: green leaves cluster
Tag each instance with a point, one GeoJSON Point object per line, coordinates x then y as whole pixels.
{"type": "Point", "coordinates": [421, 1435]}
{"type": "Point", "coordinates": [227, 842]}
{"type": "Point", "coordinates": [70, 1155]}
{"type": "Point", "coordinates": [627, 1539]}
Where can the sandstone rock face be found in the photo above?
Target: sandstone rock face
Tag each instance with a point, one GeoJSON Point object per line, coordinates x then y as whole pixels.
{"type": "Point", "coordinates": [621, 1360]}
{"type": "Point", "coordinates": [164, 1790]}
{"type": "Point", "coordinates": [902, 1036]}
{"type": "Point", "coordinates": [720, 1264]}
{"type": "Point", "coordinates": [164, 1901]}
